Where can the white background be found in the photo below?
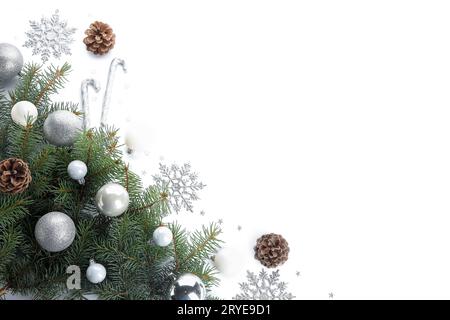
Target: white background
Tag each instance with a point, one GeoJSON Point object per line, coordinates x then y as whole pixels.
{"type": "Point", "coordinates": [325, 121]}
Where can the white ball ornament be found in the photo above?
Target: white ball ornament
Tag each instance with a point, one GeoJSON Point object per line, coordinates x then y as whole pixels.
{"type": "Point", "coordinates": [77, 170]}
{"type": "Point", "coordinates": [225, 261]}
{"type": "Point", "coordinates": [162, 236]}
{"type": "Point", "coordinates": [112, 199]}
{"type": "Point", "coordinates": [55, 231]}
{"type": "Point", "coordinates": [134, 140]}
{"type": "Point", "coordinates": [96, 272]}
{"type": "Point", "coordinates": [24, 111]}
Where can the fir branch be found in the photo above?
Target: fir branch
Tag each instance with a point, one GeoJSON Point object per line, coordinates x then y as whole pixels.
{"type": "Point", "coordinates": [204, 243]}
{"type": "Point", "coordinates": [52, 80]}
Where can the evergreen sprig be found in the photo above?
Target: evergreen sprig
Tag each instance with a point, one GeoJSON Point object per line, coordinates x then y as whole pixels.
{"type": "Point", "coordinates": [136, 268]}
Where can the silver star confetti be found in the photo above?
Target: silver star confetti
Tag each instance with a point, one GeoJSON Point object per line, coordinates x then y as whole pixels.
{"type": "Point", "coordinates": [297, 273]}
{"type": "Point", "coordinates": [331, 295]}
{"type": "Point", "coordinates": [182, 184]}
{"type": "Point", "coordinates": [263, 286]}
{"type": "Point", "coordinates": [50, 36]}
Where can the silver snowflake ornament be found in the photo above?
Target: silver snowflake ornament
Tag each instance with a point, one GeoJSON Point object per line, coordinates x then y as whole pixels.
{"type": "Point", "coordinates": [182, 185]}
{"type": "Point", "coordinates": [49, 36]}
{"type": "Point", "coordinates": [264, 286]}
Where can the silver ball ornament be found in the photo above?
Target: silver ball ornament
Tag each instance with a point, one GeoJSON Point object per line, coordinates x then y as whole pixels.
{"type": "Point", "coordinates": [112, 199]}
{"type": "Point", "coordinates": [11, 62]}
{"type": "Point", "coordinates": [55, 231]}
{"type": "Point", "coordinates": [77, 170]}
{"type": "Point", "coordinates": [188, 287]}
{"type": "Point", "coordinates": [96, 272]}
{"type": "Point", "coordinates": [62, 127]}
{"type": "Point", "coordinates": [162, 236]}
{"type": "Point", "coordinates": [24, 111]}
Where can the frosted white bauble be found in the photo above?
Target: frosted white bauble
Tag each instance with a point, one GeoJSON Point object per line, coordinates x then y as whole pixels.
{"type": "Point", "coordinates": [77, 170]}
{"type": "Point", "coordinates": [96, 272]}
{"type": "Point", "coordinates": [135, 140]}
{"type": "Point", "coordinates": [22, 111]}
{"type": "Point", "coordinates": [162, 236]}
{"type": "Point", "coordinates": [227, 261]}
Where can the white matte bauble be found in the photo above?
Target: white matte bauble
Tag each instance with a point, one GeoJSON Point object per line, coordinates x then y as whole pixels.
{"type": "Point", "coordinates": [225, 261]}
{"type": "Point", "coordinates": [24, 111]}
{"type": "Point", "coordinates": [162, 236]}
{"type": "Point", "coordinates": [112, 199]}
{"type": "Point", "coordinates": [55, 231]}
{"type": "Point", "coordinates": [62, 127]}
{"type": "Point", "coordinates": [77, 170]}
{"type": "Point", "coordinates": [96, 272]}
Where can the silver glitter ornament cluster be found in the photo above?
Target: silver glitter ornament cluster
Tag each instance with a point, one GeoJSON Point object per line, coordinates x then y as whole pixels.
{"type": "Point", "coordinates": [188, 287]}
{"type": "Point", "coordinates": [62, 127]}
{"type": "Point", "coordinates": [50, 36]}
{"type": "Point", "coordinates": [55, 231]}
{"type": "Point", "coordinates": [264, 286]}
{"type": "Point", "coordinates": [11, 62]}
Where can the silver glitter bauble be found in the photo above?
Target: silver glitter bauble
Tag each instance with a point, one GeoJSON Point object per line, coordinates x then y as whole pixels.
{"type": "Point", "coordinates": [55, 231]}
{"type": "Point", "coordinates": [77, 170]}
{"type": "Point", "coordinates": [188, 287]}
{"type": "Point", "coordinates": [96, 272]}
{"type": "Point", "coordinates": [162, 236]}
{"type": "Point", "coordinates": [112, 199]}
{"type": "Point", "coordinates": [11, 62]}
{"type": "Point", "coordinates": [62, 127]}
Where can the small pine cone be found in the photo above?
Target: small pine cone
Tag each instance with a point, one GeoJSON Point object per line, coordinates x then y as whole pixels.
{"type": "Point", "coordinates": [271, 250]}
{"type": "Point", "coordinates": [100, 38]}
{"type": "Point", "coordinates": [15, 176]}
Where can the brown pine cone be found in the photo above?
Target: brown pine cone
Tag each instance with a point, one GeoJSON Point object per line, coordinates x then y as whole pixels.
{"type": "Point", "coordinates": [100, 38]}
{"type": "Point", "coordinates": [15, 176]}
{"type": "Point", "coordinates": [271, 250]}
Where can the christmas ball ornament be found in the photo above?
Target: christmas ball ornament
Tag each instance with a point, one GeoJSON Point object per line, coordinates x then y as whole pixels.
{"type": "Point", "coordinates": [62, 127]}
{"type": "Point", "coordinates": [11, 62]}
{"type": "Point", "coordinates": [100, 38]}
{"type": "Point", "coordinates": [226, 261]}
{"type": "Point", "coordinates": [55, 231]}
{"type": "Point", "coordinates": [77, 170]}
{"type": "Point", "coordinates": [112, 199]}
{"type": "Point", "coordinates": [272, 250]}
{"type": "Point", "coordinates": [24, 111]}
{"type": "Point", "coordinates": [134, 140]}
{"type": "Point", "coordinates": [15, 176]}
{"type": "Point", "coordinates": [162, 236]}
{"type": "Point", "coordinates": [96, 272]}
{"type": "Point", "coordinates": [188, 287]}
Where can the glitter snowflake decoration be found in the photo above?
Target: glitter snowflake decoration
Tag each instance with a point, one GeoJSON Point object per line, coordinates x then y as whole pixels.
{"type": "Point", "coordinates": [50, 36]}
{"type": "Point", "coordinates": [263, 287]}
{"type": "Point", "coordinates": [182, 185]}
